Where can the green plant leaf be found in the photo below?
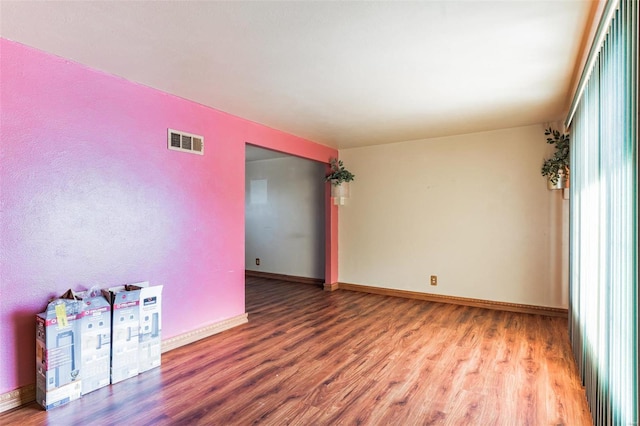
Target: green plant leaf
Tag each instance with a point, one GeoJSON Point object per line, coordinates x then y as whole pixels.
{"type": "Point", "coordinates": [338, 172]}
{"type": "Point", "coordinates": [551, 167]}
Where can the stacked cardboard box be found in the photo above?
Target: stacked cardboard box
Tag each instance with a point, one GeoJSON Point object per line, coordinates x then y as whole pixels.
{"type": "Point", "coordinates": [150, 328]}
{"type": "Point", "coordinates": [58, 379]}
{"type": "Point", "coordinates": [95, 336]}
{"type": "Point", "coordinates": [136, 329]}
{"type": "Point", "coordinates": [125, 324]}
{"type": "Point", "coordinates": [86, 340]}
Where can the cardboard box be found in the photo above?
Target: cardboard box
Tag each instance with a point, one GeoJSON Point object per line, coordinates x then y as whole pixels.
{"type": "Point", "coordinates": [125, 325]}
{"type": "Point", "coordinates": [58, 343]}
{"type": "Point", "coordinates": [150, 350]}
{"type": "Point", "coordinates": [95, 335]}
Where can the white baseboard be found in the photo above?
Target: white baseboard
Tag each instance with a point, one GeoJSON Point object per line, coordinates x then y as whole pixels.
{"type": "Point", "coordinates": [26, 394]}
{"type": "Point", "coordinates": [17, 397]}
{"type": "Point", "coordinates": [464, 301]}
{"type": "Point", "coordinates": [201, 333]}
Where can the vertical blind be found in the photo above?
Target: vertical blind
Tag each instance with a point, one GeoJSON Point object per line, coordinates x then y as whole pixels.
{"type": "Point", "coordinates": [603, 300]}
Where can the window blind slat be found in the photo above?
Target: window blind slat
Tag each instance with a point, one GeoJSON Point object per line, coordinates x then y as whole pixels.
{"type": "Point", "coordinates": [603, 311]}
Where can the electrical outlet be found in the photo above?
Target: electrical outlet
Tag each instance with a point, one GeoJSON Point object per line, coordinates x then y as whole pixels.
{"type": "Point", "coordinates": [434, 280]}
{"type": "Point", "coordinates": [257, 261]}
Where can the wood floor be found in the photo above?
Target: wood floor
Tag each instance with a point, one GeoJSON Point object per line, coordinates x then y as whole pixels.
{"type": "Point", "coordinates": [309, 357]}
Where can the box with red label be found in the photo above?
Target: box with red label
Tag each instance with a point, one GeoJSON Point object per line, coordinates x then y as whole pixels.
{"type": "Point", "coordinates": [58, 343]}
{"type": "Point", "coordinates": [95, 335]}
{"type": "Point", "coordinates": [125, 324]}
{"type": "Point", "coordinates": [149, 355]}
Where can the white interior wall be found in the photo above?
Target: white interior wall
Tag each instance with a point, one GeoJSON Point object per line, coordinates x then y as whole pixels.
{"type": "Point", "coordinates": [284, 217]}
{"type": "Point", "coordinates": [472, 209]}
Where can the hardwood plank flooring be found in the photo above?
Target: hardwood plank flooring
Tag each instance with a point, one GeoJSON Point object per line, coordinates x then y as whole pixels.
{"type": "Point", "coordinates": [309, 357]}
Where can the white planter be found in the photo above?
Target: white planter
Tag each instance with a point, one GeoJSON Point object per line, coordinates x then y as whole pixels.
{"type": "Point", "coordinates": [561, 183]}
{"type": "Point", "coordinates": [340, 193]}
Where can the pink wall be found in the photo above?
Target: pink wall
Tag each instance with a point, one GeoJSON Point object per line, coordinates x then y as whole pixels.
{"type": "Point", "coordinates": [90, 195]}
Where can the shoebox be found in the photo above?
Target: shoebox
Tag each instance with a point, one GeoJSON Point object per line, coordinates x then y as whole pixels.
{"type": "Point", "coordinates": [150, 313]}
{"type": "Point", "coordinates": [58, 343]}
{"type": "Point", "coordinates": [125, 324]}
{"type": "Point", "coordinates": [95, 329]}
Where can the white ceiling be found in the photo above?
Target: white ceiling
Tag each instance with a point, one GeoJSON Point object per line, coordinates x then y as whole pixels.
{"type": "Point", "coordinates": [344, 74]}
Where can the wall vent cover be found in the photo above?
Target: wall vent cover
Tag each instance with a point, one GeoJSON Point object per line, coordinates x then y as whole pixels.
{"type": "Point", "coordinates": [185, 142]}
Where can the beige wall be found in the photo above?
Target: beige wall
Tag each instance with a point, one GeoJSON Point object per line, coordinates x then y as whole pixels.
{"type": "Point", "coordinates": [471, 209]}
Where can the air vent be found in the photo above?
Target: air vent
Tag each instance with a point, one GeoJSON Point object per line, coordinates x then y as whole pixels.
{"type": "Point", "coordinates": [185, 142]}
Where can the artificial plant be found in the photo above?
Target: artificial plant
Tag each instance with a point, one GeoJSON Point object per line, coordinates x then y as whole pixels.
{"type": "Point", "coordinates": [338, 173]}
{"type": "Point", "coordinates": [560, 161]}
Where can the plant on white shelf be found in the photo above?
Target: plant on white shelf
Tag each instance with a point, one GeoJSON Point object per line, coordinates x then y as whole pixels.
{"type": "Point", "coordinates": [338, 173]}
{"type": "Point", "coordinates": [556, 168]}
{"type": "Point", "coordinates": [339, 178]}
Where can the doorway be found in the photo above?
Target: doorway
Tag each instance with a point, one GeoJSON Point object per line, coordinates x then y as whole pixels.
{"type": "Point", "coordinates": [284, 214]}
